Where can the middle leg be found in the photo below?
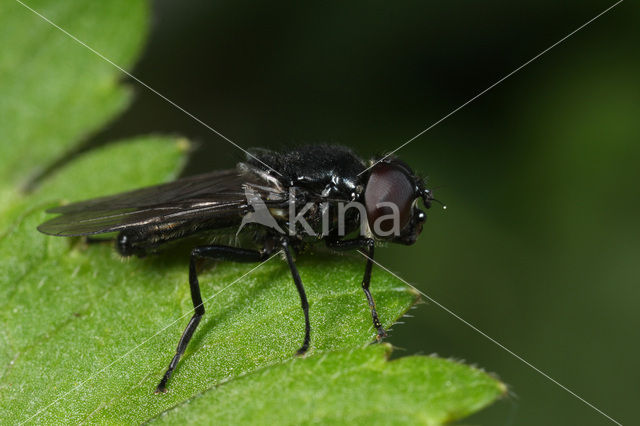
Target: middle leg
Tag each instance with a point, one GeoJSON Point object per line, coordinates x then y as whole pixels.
{"type": "Point", "coordinates": [303, 298]}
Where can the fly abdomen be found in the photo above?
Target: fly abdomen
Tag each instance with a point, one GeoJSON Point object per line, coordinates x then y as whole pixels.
{"type": "Point", "coordinates": [131, 242]}
{"type": "Point", "coordinates": [145, 240]}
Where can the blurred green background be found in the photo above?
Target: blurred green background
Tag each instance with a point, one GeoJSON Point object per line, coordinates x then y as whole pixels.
{"type": "Point", "coordinates": [540, 245]}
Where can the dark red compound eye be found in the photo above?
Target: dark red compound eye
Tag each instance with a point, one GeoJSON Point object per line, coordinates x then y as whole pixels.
{"type": "Point", "coordinates": [388, 184]}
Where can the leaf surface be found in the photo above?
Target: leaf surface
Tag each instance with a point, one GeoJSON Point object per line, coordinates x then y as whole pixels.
{"type": "Point", "coordinates": [85, 335]}
{"type": "Point", "coordinates": [347, 387]}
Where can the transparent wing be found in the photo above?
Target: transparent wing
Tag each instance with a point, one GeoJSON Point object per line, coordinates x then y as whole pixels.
{"type": "Point", "coordinates": [203, 197]}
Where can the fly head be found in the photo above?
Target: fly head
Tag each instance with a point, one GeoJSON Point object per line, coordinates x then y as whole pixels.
{"type": "Point", "coordinates": [391, 200]}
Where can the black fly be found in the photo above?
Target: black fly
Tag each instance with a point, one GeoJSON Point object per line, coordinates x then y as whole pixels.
{"type": "Point", "coordinates": [310, 198]}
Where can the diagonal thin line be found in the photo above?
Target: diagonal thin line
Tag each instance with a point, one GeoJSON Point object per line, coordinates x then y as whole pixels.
{"type": "Point", "coordinates": [142, 83]}
{"type": "Point", "coordinates": [494, 84]}
{"type": "Point", "coordinates": [377, 263]}
{"type": "Point", "coordinates": [37, 413]}
{"type": "Point", "coordinates": [476, 329]}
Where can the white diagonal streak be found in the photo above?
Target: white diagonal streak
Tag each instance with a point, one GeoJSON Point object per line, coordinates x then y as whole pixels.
{"type": "Point", "coordinates": [142, 83]}
{"type": "Point", "coordinates": [476, 329]}
{"type": "Point", "coordinates": [494, 84]}
{"type": "Point", "coordinates": [40, 411]}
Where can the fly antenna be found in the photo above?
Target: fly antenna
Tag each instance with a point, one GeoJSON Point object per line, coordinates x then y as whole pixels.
{"type": "Point", "coordinates": [427, 197]}
{"type": "Point", "coordinates": [444, 206]}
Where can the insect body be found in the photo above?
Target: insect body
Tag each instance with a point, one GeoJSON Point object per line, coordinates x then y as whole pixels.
{"type": "Point", "coordinates": [310, 194]}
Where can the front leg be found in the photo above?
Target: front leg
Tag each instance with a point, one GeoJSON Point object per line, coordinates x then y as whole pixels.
{"type": "Point", "coordinates": [204, 252]}
{"type": "Point", "coordinates": [365, 246]}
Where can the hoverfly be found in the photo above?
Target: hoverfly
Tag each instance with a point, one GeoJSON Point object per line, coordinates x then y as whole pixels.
{"type": "Point", "coordinates": [255, 202]}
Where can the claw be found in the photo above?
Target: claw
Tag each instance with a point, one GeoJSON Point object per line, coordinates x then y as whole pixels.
{"type": "Point", "coordinates": [302, 351]}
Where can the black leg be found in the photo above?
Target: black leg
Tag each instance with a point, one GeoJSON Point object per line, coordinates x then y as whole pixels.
{"type": "Point", "coordinates": [366, 280]}
{"type": "Point", "coordinates": [365, 245]}
{"type": "Point", "coordinates": [303, 298]}
{"type": "Point", "coordinates": [210, 252]}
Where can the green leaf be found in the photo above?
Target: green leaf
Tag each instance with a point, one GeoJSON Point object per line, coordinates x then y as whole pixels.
{"type": "Point", "coordinates": [105, 307]}
{"type": "Point", "coordinates": [55, 91]}
{"type": "Point", "coordinates": [85, 335]}
{"type": "Point", "coordinates": [346, 387]}
{"type": "Point", "coordinates": [49, 287]}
